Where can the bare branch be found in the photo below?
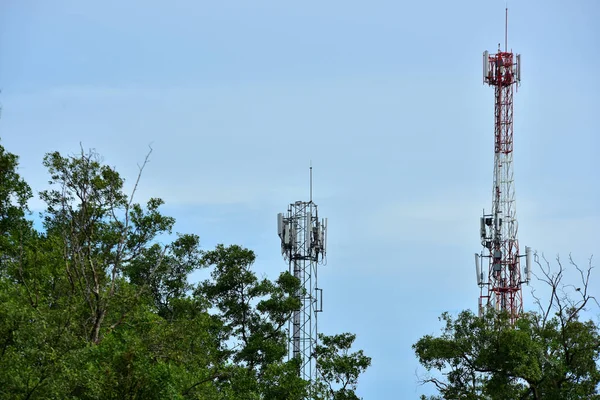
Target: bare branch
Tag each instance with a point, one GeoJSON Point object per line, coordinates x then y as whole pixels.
{"type": "Point", "coordinates": [552, 280]}
{"type": "Point", "coordinates": [137, 181]}
{"type": "Point", "coordinates": [125, 227]}
{"type": "Point", "coordinates": [212, 377]}
{"type": "Point", "coordinates": [583, 290]}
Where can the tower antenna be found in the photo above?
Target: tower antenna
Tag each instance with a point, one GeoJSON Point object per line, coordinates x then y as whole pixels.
{"type": "Point", "coordinates": [506, 29]}
{"type": "Point", "coordinates": [311, 181]}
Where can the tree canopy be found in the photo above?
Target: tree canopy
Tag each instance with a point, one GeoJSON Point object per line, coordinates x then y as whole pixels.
{"type": "Point", "coordinates": [550, 354]}
{"type": "Point", "coordinates": [94, 306]}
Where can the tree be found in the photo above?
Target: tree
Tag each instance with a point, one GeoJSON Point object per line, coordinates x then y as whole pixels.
{"type": "Point", "coordinates": [254, 313]}
{"type": "Point", "coordinates": [102, 231]}
{"type": "Point", "coordinates": [94, 306]}
{"type": "Point", "coordinates": [338, 368]}
{"type": "Point", "coordinates": [14, 194]}
{"type": "Point", "coordinates": [548, 354]}
{"type": "Point", "coordinates": [89, 307]}
{"type": "Point", "coordinates": [14, 191]}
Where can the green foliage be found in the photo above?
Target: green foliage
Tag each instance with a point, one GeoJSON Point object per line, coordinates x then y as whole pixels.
{"type": "Point", "coordinates": [549, 354]}
{"type": "Point", "coordinates": [339, 369]}
{"type": "Point", "coordinates": [164, 271]}
{"type": "Point", "coordinates": [95, 307]}
{"type": "Point", "coordinates": [14, 194]}
{"type": "Point", "coordinates": [254, 313]}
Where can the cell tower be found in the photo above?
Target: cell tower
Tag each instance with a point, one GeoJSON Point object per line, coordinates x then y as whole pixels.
{"type": "Point", "coordinates": [501, 286]}
{"type": "Point", "coordinates": [303, 244]}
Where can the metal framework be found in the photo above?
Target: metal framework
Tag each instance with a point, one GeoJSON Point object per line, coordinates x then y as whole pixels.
{"type": "Point", "coordinates": [303, 245]}
{"type": "Point", "coordinates": [500, 288]}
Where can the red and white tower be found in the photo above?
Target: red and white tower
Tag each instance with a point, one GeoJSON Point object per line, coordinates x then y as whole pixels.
{"type": "Point", "coordinates": [500, 287]}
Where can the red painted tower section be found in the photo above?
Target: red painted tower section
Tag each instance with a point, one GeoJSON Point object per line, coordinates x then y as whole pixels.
{"type": "Point", "coordinates": [501, 285]}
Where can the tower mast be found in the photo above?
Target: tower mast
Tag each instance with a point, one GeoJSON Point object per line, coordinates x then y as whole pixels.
{"type": "Point", "coordinates": [303, 245]}
{"type": "Point", "coordinates": [500, 286]}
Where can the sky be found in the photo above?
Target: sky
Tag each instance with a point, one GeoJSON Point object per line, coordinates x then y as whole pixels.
{"type": "Point", "coordinates": [385, 98]}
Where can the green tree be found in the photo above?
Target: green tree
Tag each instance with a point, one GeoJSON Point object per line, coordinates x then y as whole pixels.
{"type": "Point", "coordinates": [93, 306]}
{"type": "Point", "coordinates": [102, 232]}
{"type": "Point", "coordinates": [338, 368]}
{"type": "Point", "coordinates": [25, 350]}
{"type": "Point", "coordinates": [14, 194]}
{"type": "Point", "coordinates": [548, 354]}
{"type": "Point", "coordinates": [90, 306]}
{"type": "Point", "coordinates": [254, 313]}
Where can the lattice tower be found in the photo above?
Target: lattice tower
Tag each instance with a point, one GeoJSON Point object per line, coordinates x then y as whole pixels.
{"type": "Point", "coordinates": [500, 286]}
{"type": "Point", "coordinates": [303, 245]}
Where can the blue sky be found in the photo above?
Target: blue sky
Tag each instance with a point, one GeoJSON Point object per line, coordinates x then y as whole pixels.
{"type": "Point", "coordinates": [385, 98]}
